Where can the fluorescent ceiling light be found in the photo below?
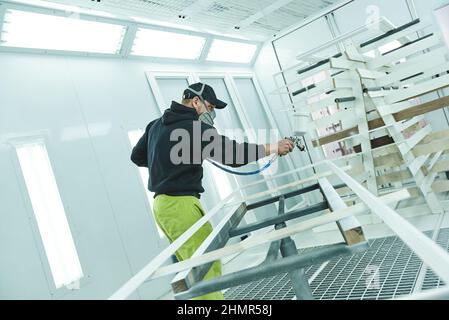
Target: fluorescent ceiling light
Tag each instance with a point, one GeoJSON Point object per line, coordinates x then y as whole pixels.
{"type": "Point", "coordinates": [67, 8]}
{"type": "Point", "coordinates": [50, 214]}
{"type": "Point", "coordinates": [39, 31]}
{"type": "Point", "coordinates": [154, 43]}
{"type": "Point", "coordinates": [229, 51]}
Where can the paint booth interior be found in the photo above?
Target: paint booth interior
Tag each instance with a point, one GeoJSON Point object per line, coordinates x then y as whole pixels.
{"type": "Point", "coordinates": [357, 210]}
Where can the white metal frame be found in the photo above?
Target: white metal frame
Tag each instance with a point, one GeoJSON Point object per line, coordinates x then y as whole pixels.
{"type": "Point", "coordinates": [154, 86]}
{"type": "Point", "coordinates": [382, 22]}
{"type": "Point", "coordinates": [311, 19]}
{"type": "Point", "coordinates": [431, 253]}
{"type": "Point", "coordinates": [383, 102]}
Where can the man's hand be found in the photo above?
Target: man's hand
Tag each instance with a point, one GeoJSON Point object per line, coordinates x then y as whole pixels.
{"type": "Point", "coordinates": [282, 148]}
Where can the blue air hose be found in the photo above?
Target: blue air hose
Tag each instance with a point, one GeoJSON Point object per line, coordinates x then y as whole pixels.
{"type": "Point", "coordinates": [265, 167]}
{"type": "Point", "coordinates": [295, 140]}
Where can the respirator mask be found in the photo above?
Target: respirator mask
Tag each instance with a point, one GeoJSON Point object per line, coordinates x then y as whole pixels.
{"type": "Point", "coordinates": [207, 116]}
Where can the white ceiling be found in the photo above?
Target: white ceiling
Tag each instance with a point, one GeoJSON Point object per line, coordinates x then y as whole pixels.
{"type": "Point", "coordinates": [256, 19]}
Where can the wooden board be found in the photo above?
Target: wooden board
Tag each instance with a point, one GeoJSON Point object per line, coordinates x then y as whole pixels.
{"type": "Point", "coordinates": [436, 136]}
{"type": "Point", "coordinates": [389, 160]}
{"type": "Point", "coordinates": [349, 227]}
{"type": "Point", "coordinates": [440, 186]}
{"type": "Point", "coordinates": [431, 147]}
{"type": "Point", "coordinates": [394, 177]}
{"type": "Point", "coordinates": [440, 166]}
{"type": "Point", "coordinates": [377, 123]}
{"type": "Point", "coordinates": [376, 143]}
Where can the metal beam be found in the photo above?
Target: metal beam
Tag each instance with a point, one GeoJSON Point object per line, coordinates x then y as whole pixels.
{"type": "Point", "coordinates": [217, 239]}
{"type": "Point", "coordinates": [286, 196]}
{"type": "Point", "coordinates": [269, 237]}
{"type": "Point", "coordinates": [288, 249]}
{"type": "Point", "coordinates": [132, 284]}
{"type": "Point", "coordinates": [390, 33]}
{"type": "Point", "coordinates": [269, 269]}
{"type": "Point", "coordinates": [350, 227]}
{"type": "Point", "coordinates": [278, 219]}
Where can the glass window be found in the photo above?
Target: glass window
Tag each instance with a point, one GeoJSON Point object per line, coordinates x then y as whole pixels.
{"type": "Point", "coordinates": [134, 137]}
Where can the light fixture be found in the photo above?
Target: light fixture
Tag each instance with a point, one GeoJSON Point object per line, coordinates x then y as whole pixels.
{"type": "Point", "coordinates": [50, 214]}
{"type": "Point", "coordinates": [40, 31]}
{"type": "Point", "coordinates": [162, 44]}
{"type": "Point", "coordinates": [230, 51]}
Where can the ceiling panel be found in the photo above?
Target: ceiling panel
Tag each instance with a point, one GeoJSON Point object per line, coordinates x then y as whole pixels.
{"type": "Point", "coordinates": [252, 19]}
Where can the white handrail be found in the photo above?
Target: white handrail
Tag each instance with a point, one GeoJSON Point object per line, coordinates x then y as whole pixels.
{"type": "Point", "coordinates": [429, 252]}
{"type": "Point", "coordinates": [131, 285]}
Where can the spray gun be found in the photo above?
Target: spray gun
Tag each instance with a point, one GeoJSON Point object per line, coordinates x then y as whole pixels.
{"type": "Point", "coordinates": [297, 141]}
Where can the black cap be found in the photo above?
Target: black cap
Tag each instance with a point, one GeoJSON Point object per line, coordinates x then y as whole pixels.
{"type": "Point", "coordinates": [206, 92]}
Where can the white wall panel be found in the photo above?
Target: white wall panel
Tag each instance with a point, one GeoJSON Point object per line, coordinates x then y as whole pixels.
{"type": "Point", "coordinates": [84, 108]}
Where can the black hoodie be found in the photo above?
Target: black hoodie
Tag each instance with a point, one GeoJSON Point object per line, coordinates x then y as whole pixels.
{"type": "Point", "coordinates": [174, 157]}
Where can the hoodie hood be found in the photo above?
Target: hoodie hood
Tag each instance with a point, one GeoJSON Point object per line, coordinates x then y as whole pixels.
{"type": "Point", "coordinates": [177, 113]}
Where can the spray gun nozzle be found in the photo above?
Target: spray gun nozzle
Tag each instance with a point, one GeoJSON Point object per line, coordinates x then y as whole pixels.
{"type": "Point", "coordinates": [297, 141]}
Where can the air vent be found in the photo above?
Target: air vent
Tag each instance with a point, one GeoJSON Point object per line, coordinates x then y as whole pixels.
{"type": "Point", "coordinates": [217, 8]}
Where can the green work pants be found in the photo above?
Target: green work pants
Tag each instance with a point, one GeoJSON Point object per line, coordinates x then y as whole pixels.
{"type": "Point", "coordinates": [175, 215]}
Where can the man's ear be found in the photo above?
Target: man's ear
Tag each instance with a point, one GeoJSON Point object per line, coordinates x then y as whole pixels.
{"type": "Point", "coordinates": [195, 104]}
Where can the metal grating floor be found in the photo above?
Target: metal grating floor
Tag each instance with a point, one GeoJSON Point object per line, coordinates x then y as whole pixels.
{"type": "Point", "coordinates": [388, 269]}
{"type": "Point", "coordinates": [432, 281]}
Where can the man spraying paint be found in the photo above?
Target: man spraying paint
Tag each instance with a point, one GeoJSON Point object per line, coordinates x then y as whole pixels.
{"type": "Point", "coordinates": [173, 149]}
